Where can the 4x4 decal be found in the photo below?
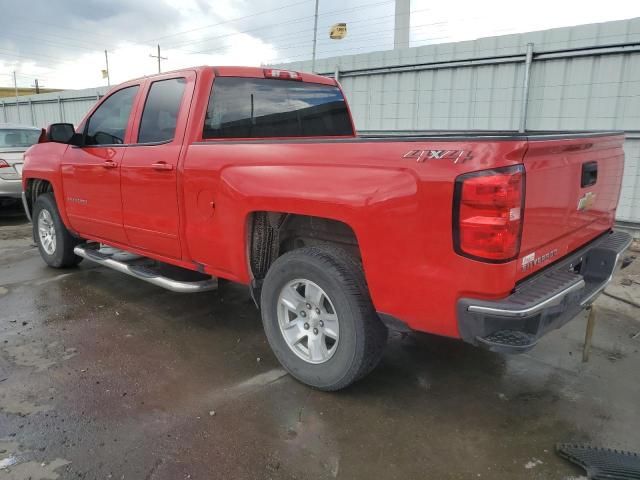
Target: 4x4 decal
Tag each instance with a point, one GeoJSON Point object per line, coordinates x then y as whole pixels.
{"type": "Point", "coordinates": [457, 156]}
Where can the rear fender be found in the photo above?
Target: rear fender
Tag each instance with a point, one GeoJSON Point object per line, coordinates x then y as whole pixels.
{"type": "Point", "coordinates": [370, 200]}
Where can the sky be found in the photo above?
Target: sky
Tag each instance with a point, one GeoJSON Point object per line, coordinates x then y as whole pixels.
{"type": "Point", "coordinates": [61, 42]}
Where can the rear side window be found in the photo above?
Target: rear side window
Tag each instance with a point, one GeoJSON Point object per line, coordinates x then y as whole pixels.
{"type": "Point", "coordinates": [161, 109]}
{"type": "Point", "coordinates": [108, 124]}
{"type": "Point", "coordinates": [259, 108]}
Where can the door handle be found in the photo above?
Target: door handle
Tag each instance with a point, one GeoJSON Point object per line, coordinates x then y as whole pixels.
{"type": "Point", "coordinates": [109, 164]}
{"type": "Point", "coordinates": [162, 166]}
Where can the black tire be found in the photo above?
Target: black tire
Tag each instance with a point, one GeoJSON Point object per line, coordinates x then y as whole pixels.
{"type": "Point", "coordinates": [362, 335]}
{"type": "Point", "coordinates": [62, 256]}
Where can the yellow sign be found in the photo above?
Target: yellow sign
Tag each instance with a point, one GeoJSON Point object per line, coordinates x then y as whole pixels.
{"type": "Point", "coordinates": [105, 73]}
{"type": "Point", "coordinates": [338, 31]}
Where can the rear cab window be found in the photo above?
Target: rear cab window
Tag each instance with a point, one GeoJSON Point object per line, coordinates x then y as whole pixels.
{"type": "Point", "coordinates": [241, 107]}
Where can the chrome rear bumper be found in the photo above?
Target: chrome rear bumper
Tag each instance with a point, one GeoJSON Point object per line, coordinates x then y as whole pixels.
{"type": "Point", "coordinates": [545, 301]}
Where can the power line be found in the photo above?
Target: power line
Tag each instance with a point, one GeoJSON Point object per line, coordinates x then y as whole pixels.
{"type": "Point", "coordinates": [279, 24]}
{"type": "Point", "coordinates": [53, 43]}
{"type": "Point", "coordinates": [49, 34]}
{"type": "Point", "coordinates": [325, 42]}
{"type": "Point", "coordinates": [389, 43]}
{"type": "Point", "coordinates": [289, 34]}
{"type": "Point", "coordinates": [65, 28]}
{"type": "Point", "coordinates": [29, 55]}
{"type": "Point", "coordinates": [13, 53]}
{"type": "Point", "coordinates": [309, 43]}
{"type": "Point", "coordinates": [227, 21]}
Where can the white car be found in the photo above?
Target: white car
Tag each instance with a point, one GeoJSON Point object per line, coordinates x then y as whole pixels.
{"type": "Point", "coordinates": [14, 141]}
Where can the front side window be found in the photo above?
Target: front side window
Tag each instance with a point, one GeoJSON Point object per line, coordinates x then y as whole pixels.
{"type": "Point", "coordinates": [18, 137]}
{"type": "Point", "coordinates": [161, 109]}
{"type": "Point", "coordinates": [263, 108]}
{"type": "Point", "coordinates": [108, 124]}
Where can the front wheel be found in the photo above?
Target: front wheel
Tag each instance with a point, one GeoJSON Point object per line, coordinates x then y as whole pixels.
{"type": "Point", "coordinates": [319, 319]}
{"type": "Point", "coordinates": [54, 241]}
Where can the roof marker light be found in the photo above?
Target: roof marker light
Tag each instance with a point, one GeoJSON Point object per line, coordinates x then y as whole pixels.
{"type": "Point", "coordinates": [282, 74]}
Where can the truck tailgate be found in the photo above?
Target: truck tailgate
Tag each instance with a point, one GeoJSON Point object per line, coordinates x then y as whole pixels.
{"type": "Point", "coordinates": [572, 190]}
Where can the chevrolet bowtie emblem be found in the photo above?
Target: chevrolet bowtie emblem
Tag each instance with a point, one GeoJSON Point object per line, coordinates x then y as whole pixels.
{"type": "Point", "coordinates": [586, 201]}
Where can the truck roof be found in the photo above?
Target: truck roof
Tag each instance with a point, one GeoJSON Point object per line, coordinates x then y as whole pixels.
{"type": "Point", "coordinates": [250, 72]}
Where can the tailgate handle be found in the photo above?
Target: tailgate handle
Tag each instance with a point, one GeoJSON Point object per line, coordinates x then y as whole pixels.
{"type": "Point", "coordinates": [589, 174]}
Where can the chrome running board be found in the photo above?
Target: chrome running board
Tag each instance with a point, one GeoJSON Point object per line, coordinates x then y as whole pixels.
{"type": "Point", "coordinates": [143, 272]}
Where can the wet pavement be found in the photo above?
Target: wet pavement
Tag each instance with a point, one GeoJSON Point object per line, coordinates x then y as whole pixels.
{"type": "Point", "coordinates": [104, 376]}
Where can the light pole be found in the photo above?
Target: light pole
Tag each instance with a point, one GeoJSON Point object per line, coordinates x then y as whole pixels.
{"type": "Point", "coordinates": [15, 86]}
{"type": "Point", "coordinates": [315, 38]}
{"type": "Point", "coordinates": [106, 61]}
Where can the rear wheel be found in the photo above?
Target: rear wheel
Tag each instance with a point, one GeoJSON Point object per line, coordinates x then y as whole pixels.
{"type": "Point", "coordinates": [319, 319]}
{"type": "Point", "coordinates": [54, 241]}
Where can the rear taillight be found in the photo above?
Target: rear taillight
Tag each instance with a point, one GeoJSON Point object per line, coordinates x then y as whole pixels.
{"type": "Point", "coordinates": [282, 74]}
{"type": "Point", "coordinates": [487, 213]}
{"type": "Point", "coordinates": [4, 164]}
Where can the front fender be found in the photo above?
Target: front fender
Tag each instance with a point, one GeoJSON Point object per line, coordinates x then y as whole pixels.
{"type": "Point", "coordinates": [42, 162]}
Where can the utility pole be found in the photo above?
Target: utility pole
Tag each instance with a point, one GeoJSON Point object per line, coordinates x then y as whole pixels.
{"type": "Point", "coordinates": [15, 86]}
{"type": "Point", "coordinates": [36, 85]}
{"type": "Point", "coordinates": [160, 58]}
{"type": "Point", "coordinates": [106, 61]}
{"type": "Point", "coordinates": [315, 38]}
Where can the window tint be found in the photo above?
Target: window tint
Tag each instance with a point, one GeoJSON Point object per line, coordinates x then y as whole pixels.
{"type": "Point", "coordinates": [257, 108]}
{"type": "Point", "coordinates": [108, 123]}
{"type": "Point", "coordinates": [160, 112]}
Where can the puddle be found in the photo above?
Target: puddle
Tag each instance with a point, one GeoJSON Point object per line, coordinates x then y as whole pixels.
{"type": "Point", "coordinates": [38, 355]}
{"type": "Point", "coordinates": [14, 464]}
{"type": "Point", "coordinates": [34, 470]}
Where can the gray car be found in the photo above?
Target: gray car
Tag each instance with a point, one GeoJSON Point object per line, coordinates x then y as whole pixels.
{"type": "Point", "coordinates": [14, 141]}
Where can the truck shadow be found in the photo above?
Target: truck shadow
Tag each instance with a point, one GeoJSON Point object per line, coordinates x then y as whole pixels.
{"type": "Point", "coordinates": [11, 214]}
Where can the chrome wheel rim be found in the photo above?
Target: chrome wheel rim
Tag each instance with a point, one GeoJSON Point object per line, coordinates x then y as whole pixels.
{"type": "Point", "coordinates": [308, 321]}
{"type": "Point", "coordinates": [47, 232]}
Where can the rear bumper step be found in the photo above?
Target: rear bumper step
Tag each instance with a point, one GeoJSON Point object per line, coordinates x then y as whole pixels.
{"type": "Point", "coordinates": [545, 301]}
{"type": "Point", "coordinates": [143, 272]}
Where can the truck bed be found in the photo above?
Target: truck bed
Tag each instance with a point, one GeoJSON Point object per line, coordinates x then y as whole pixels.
{"type": "Point", "coordinates": [485, 135]}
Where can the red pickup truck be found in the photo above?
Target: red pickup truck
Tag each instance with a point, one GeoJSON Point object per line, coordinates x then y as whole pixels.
{"type": "Point", "coordinates": [257, 176]}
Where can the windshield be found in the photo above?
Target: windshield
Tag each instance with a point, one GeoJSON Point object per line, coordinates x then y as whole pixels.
{"type": "Point", "coordinates": [17, 137]}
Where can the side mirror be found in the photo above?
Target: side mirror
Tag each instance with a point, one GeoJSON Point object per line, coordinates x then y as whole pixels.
{"type": "Point", "coordinates": [60, 132]}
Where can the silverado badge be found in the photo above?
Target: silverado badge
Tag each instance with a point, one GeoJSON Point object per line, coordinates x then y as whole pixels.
{"type": "Point", "coordinates": [530, 261]}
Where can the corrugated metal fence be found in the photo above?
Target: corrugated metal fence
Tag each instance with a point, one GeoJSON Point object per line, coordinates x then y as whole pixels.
{"type": "Point", "coordinates": [41, 110]}
{"type": "Point", "coordinates": [575, 78]}
{"type": "Point", "coordinates": [579, 78]}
